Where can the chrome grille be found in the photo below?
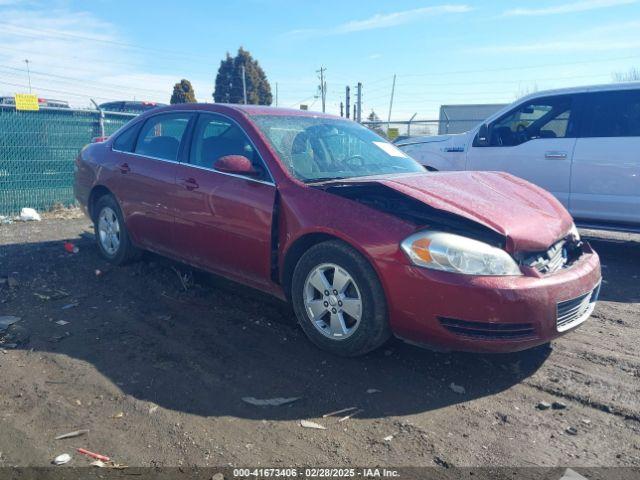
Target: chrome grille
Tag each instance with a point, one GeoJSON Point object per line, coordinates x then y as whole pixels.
{"type": "Point", "coordinates": [571, 313]}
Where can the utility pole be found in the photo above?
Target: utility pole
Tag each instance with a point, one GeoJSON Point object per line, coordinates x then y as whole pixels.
{"type": "Point", "coordinates": [323, 87]}
{"type": "Point", "coordinates": [393, 88]}
{"type": "Point", "coordinates": [244, 85]}
{"type": "Point", "coordinates": [28, 73]}
{"type": "Point", "coordinates": [276, 94]}
{"type": "Point", "coordinates": [358, 116]}
{"type": "Point", "coordinates": [341, 109]}
{"type": "Point", "coordinates": [347, 100]}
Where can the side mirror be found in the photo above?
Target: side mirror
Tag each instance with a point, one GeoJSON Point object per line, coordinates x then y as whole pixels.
{"type": "Point", "coordinates": [482, 138]}
{"type": "Point", "coordinates": [237, 164]}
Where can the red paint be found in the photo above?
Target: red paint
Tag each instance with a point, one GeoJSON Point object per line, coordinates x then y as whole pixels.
{"type": "Point", "coordinates": [235, 164]}
{"type": "Point", "coordinates": [70, 247]}
{"type": "Point", "coordinates": [224, 223]}
{"type": "Point", "coordinates": [97, 456]}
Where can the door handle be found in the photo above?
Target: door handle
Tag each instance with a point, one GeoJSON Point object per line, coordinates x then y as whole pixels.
{"type": "Point", "coordinates": [555, 155]}
{"type": "Point", "coordinates": [190, 183]}
{"type": "Point", "coordinates": [124, 168]}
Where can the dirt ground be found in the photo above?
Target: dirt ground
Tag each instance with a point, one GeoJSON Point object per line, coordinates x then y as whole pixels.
{"type": "Point", "coordinates": [157, 374]}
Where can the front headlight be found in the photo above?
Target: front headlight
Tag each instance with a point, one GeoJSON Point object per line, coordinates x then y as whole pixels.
{"type": "Point", "coordinates": [455, 253]}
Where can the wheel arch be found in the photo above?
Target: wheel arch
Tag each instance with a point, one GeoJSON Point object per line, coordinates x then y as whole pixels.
{"type": "Point", "coordinates": [303, 243]}
{"type": "Point", "coordinates": [97, 192]}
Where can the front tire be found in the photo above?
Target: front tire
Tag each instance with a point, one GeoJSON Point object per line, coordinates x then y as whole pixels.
{"type": "Point", "coordinates": [339, 301]}
{"type": "Point", "coordinates": [114, 243]}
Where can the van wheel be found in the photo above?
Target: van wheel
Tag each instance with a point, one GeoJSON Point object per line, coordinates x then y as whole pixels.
{"type": "Point", "coordinates": [111, 233]}
{"type": "Point", "coordinates": [339, 301]}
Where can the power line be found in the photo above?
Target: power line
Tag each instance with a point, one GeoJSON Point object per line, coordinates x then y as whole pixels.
{"type": "Point", "coordinates": [505, 69]}
{"type": "Point", "coordinates": [92, 59]}
{"type": "Point", "coordinates": [66, 35]}
{"type": "Point", "coordinates": [75, 94]}
{"type": "Point", "coordinates": [515, 82]}
{"type": "Point", "coordinates": [304, 100]}
{"type": "Point", "coordinates": [80, 81]}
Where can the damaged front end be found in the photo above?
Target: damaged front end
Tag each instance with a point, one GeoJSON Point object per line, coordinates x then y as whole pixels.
{"type": "Point", "coordinates": [387, 200]}
{"type": "Point", "coordinates": [561, 254]}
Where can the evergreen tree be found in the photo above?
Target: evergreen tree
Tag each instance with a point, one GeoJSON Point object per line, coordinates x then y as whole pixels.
{"type": "Point", "coordinates": [183, 93]}
{"type": "Point", "coordinates": [376, 127]}
{"type": "Point", "coordinates": [222, 93]}
{"type": "Point", "coordinates": [229, 87]}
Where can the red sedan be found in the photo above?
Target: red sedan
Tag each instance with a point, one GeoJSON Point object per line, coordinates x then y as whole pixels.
{"type": "Point", "coordinates": [361, 239]}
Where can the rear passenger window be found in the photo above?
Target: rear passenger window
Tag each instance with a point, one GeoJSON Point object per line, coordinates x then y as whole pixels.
{"type": "Point", "coordinates": [126, 140]}
{"type": "Point", "coordinates": [613, 114]}
{"type": "Point", "coordinates": [161, 135]}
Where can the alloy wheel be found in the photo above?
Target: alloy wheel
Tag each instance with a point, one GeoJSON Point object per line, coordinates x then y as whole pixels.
{"type": "Point", "coordinates": [332, 301]}
{"type": "Point", "coordinates": [109, 231]}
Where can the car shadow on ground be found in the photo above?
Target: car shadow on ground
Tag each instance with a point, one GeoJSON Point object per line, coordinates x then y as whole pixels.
{"type": "Point", "coordinates": [198, 344]}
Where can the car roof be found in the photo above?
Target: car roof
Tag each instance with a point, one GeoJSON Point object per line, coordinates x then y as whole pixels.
{"type": "Point", "coordinates": [608, 87]}
{"type": "Point", "coordinates": [584, 89]}
{"type": "Point", "coordinates": [249, 110]}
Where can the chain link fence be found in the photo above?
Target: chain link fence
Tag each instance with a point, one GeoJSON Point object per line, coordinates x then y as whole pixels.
{"type": "Point", "coordinates": [414, 128]}
{"type": "Point", "coordinates": [38, 150]}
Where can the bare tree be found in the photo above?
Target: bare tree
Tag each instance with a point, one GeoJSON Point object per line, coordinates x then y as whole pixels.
{"type": "Point", "coordinates": [523, 91]}
{"type": "Point", "coordinates": [633, 75]}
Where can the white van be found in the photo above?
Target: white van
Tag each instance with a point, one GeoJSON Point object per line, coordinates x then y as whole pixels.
{"type": "Point", "coordinates": [581, 144]}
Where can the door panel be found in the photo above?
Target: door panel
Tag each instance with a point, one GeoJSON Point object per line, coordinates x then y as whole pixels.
{"type": "Point", "coordinates": [534, 141]}
{"type": "Point", "coordinates": [147, 192]}
{"type": "Point", "coordinates": [543, 161]}
{"type": "Point", "coordinates": [605, 183]}
{"type": "Point", "coordinates": [146, 185]}
{"type": "Point", "coordinates": [224, 220]}
{"type": "Point", "coordinates": [606, 179]}
{"type": "Point", "coordinates": [223, 223]}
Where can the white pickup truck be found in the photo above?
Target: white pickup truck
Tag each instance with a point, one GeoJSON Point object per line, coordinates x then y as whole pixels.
{"type": "Point", "coordinates": [581, 144]}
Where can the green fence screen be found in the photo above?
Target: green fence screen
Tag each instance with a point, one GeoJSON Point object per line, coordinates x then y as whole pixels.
{"type": "Point", "coordinates": [37, 153]}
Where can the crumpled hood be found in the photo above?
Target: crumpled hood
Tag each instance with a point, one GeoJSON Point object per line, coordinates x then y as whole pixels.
{"type": "Point", "coordinates": [530, 218]}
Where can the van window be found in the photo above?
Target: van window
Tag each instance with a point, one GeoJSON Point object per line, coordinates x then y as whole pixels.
{"type": "Point", "coordinates": [613, 114]}
{"type": "Point", "coordinates": [540, 118]}
{"type": "Point", "coordinates": [161, 135]}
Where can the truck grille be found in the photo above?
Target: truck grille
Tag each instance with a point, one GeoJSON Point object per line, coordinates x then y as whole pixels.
{"type": "Point", "coordinates": [571, 313]}
{"type": "Point", "coordinates": [487, 331]}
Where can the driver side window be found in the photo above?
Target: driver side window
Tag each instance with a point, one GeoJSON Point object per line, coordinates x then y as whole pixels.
{"type": "Point", "coordinates": [215, 137]}
{"type": "Point", "coordinates": [540, 118]}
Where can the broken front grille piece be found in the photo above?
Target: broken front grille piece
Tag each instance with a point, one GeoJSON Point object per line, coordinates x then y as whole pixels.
{"type": "Point", "coordinates": [561, 255]}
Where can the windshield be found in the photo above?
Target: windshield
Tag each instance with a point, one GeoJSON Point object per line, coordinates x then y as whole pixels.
{"type": "Point", "coordinates": [317, 149]}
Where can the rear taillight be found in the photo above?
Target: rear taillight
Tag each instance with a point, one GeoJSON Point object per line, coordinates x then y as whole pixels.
{"type": "Point", "coordinates": [99, 139]}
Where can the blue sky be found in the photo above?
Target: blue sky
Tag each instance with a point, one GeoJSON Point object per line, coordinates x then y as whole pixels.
{"type": "Point", "coordinates": [442, 52]}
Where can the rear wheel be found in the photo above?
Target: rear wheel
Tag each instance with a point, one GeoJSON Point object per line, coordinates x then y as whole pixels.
{"type": "Point", "coordinates": [111, 233]}
{"type": "Point", "coordinates": [339, 301]}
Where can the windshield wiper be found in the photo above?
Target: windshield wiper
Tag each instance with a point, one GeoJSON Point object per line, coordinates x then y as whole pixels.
{"type": "Point", "coordinates": [324, 179]}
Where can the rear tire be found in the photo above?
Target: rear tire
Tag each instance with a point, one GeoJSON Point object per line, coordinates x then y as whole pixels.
{"type": "Point", "coordinates": [114, 243]}
{"type": "Point", "coordinates": [339, 301]}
